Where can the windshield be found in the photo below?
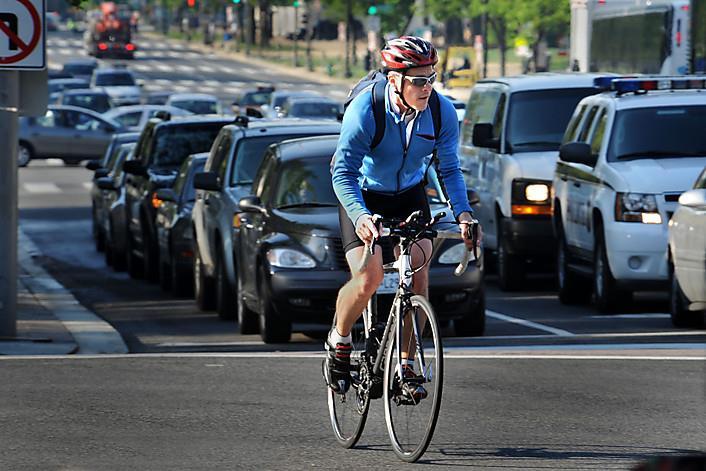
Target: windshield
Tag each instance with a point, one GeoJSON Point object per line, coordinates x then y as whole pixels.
{"type": "Point", "coordinates": [249, 154]}
{"type": "Point", "coordinates": [115, 79]}
{"type": "Point", "coordinates": [303, 182]}
{"type": "Point", "coordinates": [314, 109]}
{"type": "Point", "coordinates": [57, 87]}
{"type": "Point", "coordinates": [173, 144]}
{"type": "Point", "coordinates": [197, 106]}
{"type": "Point", "coordinates": [667, 131]}
{"type": "Point", "coordinates": [537, 119]}
{"type": "Point", "coordinates": [99, 103]}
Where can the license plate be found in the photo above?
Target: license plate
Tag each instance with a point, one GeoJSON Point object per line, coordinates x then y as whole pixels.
{"type": "Point", "coordinates": [389, 284]}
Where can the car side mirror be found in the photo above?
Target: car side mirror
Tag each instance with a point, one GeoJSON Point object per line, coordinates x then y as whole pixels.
{"type": "Point", "coordinates": [483, 136]}
{"type": "Point", "coordinates": [251, 204]}
{"type": "Point", "coordinates": [105, 183]}
{"type": "Point", "coordinates": [579, 153]}
{"type": "Point", "coordinates": [208, 181]}
{"type": "Point", "coordinates": [166, 194]}
{"type": "Point", "coordinates": [694, 199]}
{"type": "Point", "coordinates": [101, 172]}
{"type": "Point", "coordinates": [134, 167]}
{"type": "Point", "coordinates": [473, 197]}
{"type": "Point", "coordinates": [93, 165]}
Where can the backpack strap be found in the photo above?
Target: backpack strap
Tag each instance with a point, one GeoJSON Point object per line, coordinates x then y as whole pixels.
{"type": "Point", "coordinates": [378, 99]}
{"type": "Point", "coordinates": [435, 107]}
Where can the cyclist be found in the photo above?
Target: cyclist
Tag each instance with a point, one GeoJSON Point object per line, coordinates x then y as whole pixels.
{"type": "Point", "coordinates": [389, 180]}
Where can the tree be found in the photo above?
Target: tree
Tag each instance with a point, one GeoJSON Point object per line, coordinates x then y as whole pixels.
{"type": "Point", "coordinates": [504, 18]}
{"type": "Point", "coordinates": [540, 17]}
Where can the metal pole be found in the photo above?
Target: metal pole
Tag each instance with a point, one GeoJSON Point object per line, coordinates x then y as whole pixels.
{"type": "Point", "coordinates": [9, 104]}
{"type": "Point", "coordinates": [296, 36]}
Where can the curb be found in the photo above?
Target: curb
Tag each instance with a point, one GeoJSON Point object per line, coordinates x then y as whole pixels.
{"type": "Point", "coordinates": [92, 334]}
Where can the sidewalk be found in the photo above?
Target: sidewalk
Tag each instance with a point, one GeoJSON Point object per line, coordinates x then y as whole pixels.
{"type": "Point", "coordinates": [50, 321]}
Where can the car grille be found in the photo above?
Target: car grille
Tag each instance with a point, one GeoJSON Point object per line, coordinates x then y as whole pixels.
{"type": "Point", "coordinates": [388, 254]}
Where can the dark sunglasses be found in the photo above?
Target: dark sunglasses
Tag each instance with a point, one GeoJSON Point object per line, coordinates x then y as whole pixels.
{"type": "Point", "coordinates": [420, 81]}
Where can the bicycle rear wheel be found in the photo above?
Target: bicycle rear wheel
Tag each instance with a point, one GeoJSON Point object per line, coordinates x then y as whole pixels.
{"type": "Point", "coordinates": [411, 422]}
{"type": "Point", "coordinates": [349, 411]}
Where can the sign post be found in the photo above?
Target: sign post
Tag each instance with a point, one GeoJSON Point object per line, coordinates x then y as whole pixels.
{"type": "Point", "coordinates": [21, 48]}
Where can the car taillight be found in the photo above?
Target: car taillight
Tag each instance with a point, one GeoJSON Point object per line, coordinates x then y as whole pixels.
{"type": "Point", "coordinates": [102, 46]}
{"type": "Point", "coordinates": [130, 47]}
{"type": "Point", "coordinates": [156, 202]}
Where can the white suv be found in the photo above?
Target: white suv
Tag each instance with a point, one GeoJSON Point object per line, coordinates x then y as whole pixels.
{"type": "Point", "coordinates": [627, 156]}
{"type": "Point", "coordinates": [509, 145]}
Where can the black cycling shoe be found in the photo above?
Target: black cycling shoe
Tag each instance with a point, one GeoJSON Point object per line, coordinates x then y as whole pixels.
{"type": "Point", "coordinates": [337, 367]}
{"type": "Point", "coordinates": [411, 391]}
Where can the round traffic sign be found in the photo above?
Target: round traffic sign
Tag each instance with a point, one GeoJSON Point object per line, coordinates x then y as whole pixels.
{"type": "Point", "coordinates": [25, 48]}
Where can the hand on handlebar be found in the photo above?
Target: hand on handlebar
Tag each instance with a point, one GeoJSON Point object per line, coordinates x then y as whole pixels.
{"type": "Point", "coordinates": [367, 229]}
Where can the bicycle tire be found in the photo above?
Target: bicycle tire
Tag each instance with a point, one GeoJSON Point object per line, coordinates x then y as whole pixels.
{"type": "Point", "coordinates": [348, 418]}
{"type": "Point", "coordinates": [423, 415]}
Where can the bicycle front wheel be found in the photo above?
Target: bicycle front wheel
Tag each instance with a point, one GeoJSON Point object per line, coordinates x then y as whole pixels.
{"type": "Point", "coordinates": [411, 418]}
{"type": "Point", "coordinates": [349, 411]}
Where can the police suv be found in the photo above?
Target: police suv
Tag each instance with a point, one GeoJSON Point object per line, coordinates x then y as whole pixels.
{"type": "Point", "coordinates": [627, 155]}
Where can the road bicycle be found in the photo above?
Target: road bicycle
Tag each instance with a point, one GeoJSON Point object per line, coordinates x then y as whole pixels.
{"type": "Point", "coordinates": [376, 359]}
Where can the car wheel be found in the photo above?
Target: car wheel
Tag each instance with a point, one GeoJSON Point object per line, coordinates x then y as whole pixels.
{"type": "Point", "coordinates": [203, 286]}
{"type": "Point", "coordinates": [473, 324]}
{"type": "Point", "coordinates": [572, 288]}
{"type": "Point", "coordinates": [226, 308]}
{"type": "Point", "coordinates": [247, 318]}
{"type": "Point", "coordinates": [510, 268]}
{"type": "Point", "coordinates": [117, 258]}
{"type": "Point", "coordinates": [678, 305]}
{"type": "Point", "coordinates": [182, 283]}
{"type": "Point", "coordinates": [165, 276]}
{"type": "Point", "coordinates": [24, 154]}
{"type": "Point", "coordinates": [606, 295]}
{"type": "Point", "coordinates": [150, 254]}
{"type": "Point", "coordinates": [273, 328]}
{"type": "Point", "coordinates": [108, 250]}
{"type": "Point", "coordinates": [134, 263]}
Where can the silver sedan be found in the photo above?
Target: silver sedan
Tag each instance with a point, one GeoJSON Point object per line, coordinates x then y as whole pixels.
{"type": "Point", "coordinates": [134, 117]}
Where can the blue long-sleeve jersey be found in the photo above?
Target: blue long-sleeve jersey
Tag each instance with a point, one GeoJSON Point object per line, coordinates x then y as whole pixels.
{"type": "Point", "coordinates": [389, 168]}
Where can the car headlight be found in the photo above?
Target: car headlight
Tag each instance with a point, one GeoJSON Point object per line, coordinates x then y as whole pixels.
{"type": "Point", "coordinates": [537, 192]}
{"type": "Point", "coordinates": [531, 198]}
{"type": "Point", "coordinates": [289, 258]}
{"type": "Point", "coordinates": [453, 255]}
{"type": "Point", "coordinates": [637, 207]}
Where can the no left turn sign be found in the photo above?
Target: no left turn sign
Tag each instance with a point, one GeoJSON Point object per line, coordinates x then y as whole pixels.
{"type": "Point", "coordinates": [22, 34]}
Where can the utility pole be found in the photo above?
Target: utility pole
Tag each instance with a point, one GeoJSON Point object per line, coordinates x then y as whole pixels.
{"type": "Point", "coordinates": [9, 110]}
{"type": "Point", "coordinates": [296, 33]}
{"type": "Point", "coordinates": [349, 28]}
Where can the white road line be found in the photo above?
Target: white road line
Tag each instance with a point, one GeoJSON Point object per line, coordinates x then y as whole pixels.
{"type": "Point", "coordinates": [87, 185]}
{"type": "Point", "coordinates": [207, 69]}
{"type": "Point", "coordinates": [44, 188]}
{"type": "Point", "coordinates": [646, 315]}
{"type": "Point", "coordinates": [526, 323]}
{"type": "Point", "coordinates": [163, 68]}
{"type": "Point", "coordinates": [142, 67]}
{"type": "Point", "coordinates": [585, 347]}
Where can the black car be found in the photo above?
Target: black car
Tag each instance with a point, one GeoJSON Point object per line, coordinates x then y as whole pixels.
{"type": "Point", "coordinates": [111, 219]}
{"type": "Point", "coordinates": [292, 262]}
{"type": "Point", "coordinates": [174, 231]}
{"type": "Point", "coordinates": [102, 168]}
{"type": "Point", "coordinates": [162, 148]}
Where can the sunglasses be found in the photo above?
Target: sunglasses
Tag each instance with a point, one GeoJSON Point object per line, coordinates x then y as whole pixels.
{"type": "Point", "coordinates": [421, 81]}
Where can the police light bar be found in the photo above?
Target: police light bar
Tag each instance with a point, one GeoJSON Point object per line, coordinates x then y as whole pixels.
{"type": "Point", "coordinates": [606, 82]}
{"type": "Point", "coordinates": [645, 84]}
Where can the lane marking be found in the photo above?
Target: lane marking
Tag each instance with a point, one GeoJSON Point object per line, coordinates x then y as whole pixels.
{"type": "Point", "coordinates": [646, 315]}
{"type": "Point", "coordinates": [608, 346]}
{"type": "Point", "coordinates": [46, 188]}
{"type": "Point", "coordinates": [88, 185]}
{"type": "Point", "coordinates": [526, 323]}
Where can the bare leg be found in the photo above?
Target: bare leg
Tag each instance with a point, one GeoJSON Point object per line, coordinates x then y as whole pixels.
{"type": "Point", "coordinates": [353, 297]}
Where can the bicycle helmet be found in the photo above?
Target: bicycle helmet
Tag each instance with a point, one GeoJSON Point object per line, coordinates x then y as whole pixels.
{"type": "Point", "coordinates": [407, 52]}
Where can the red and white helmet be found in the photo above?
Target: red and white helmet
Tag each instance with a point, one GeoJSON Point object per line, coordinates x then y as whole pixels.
{"type": "Point", "coordinates": [407, 52]}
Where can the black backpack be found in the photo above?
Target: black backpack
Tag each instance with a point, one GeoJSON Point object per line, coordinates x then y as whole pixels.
{"type": "Point", "coordinates": [377, 80]}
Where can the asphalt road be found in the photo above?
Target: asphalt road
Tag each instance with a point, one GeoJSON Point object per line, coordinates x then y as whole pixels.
{"type": "Point", "coordinates": [547, 387]}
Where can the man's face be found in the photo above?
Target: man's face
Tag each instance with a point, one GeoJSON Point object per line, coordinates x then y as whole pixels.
{"type": "Point", "coordinates": [417, 97]}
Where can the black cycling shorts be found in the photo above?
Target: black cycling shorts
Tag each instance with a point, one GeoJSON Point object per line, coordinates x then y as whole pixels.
{"type": "Point", "coordinates": [398, 206]}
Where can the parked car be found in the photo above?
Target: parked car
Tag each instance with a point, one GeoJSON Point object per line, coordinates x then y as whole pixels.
{"type": "Point", "coordinates": [112, 220]}
{"type": "Point", "coordinates": [134, 117]}
{"type": "Point", "coordinates": [291, 260]}
{"type": "Point", "coordinates": [627, 156]}
{"type": "Point", "coordinates": [234, 159]}
{"type": "Point", "coordinates": [102, 168]}
{"type": "Point", "coordinates": [119, 83]}
{"type": "Point", "coordinates": [311, 108]}
{"type": "Point", "coordinates": [58, 85]}
{"type": "Point", "coordinates": [509, 146]}
{"type": "Point", "coordinates": [66, 132]}
{"type": "Point", "coordinates": [157, 98]}
{"type": "Point", "coordinates": [174, 229]}
{"type": "Point", "coordinates": [278, 98]}
{"type": "Point", "coordinates": [687, 257]}
{"type": "Point", "coordinates": [162, 148]}
{"type": "Point", "coordinates": [197, 103]}
{"type": "Point", "coordinates": [80, 68]}
{"type": "Point", "coordinates": [250, 102]}
{"type": "Point", "coordinates": [95, 100]}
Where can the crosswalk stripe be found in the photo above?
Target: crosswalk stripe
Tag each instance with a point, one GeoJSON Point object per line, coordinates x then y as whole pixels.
{"type": "Point", "coordinates": [87, 185]}
{"type": "Point", "coordinates": [41, 188]}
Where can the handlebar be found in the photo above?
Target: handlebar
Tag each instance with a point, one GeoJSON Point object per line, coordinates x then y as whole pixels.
{"type": "Point", "coordinates": [414, 228]}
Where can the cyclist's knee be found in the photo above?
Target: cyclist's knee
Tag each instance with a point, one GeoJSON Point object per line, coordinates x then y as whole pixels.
{"type": "Point", "coordinates": [369, 280]}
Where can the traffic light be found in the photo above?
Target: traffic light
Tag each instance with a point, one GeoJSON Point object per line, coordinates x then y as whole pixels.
{"type": "Point", "coordinates": [296, 3]}
{"type": "Point", "coordinates": [372, 10]}
{"type": "Point", "coordinates": [236, 1]}
{"type": "Point", "coordinates": [191, 3]}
